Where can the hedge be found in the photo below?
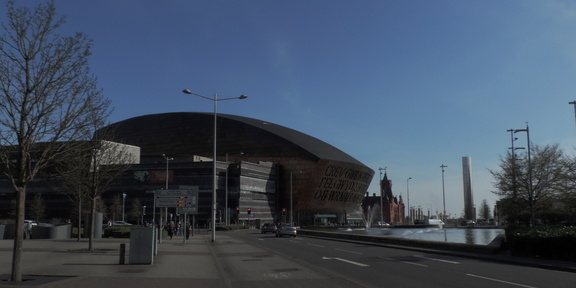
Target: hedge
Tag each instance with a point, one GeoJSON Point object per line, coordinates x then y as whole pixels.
{"type": "Point", "coordinates": [551, 242]}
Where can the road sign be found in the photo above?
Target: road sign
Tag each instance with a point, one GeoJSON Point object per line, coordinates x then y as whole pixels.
{"type": "Point", "coordinates": [177, 198]}
{"type": "Point", "coordinates": [175, 201]}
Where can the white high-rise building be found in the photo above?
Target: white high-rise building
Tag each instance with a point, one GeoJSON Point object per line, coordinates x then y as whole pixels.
{"type": "Point", "coordinates": [467, 180]}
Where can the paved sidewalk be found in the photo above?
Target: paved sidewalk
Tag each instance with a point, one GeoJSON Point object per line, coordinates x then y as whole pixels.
{"type": "Point", "coordinates": [177, 264]}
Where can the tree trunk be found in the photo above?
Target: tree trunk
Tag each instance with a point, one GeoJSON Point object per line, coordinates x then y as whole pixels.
{"type": "Point", "coordinates": [18, 235]}
{"type": "Point", "coordinates": [79, 218]}
{"type": "Point", "coordinates": [91, 231]}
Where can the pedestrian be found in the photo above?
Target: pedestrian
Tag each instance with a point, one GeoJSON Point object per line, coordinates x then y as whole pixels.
{"type": "Point", "coordinates": [170, 229]}
{"type": "Point", "coordinates": [188, 228]}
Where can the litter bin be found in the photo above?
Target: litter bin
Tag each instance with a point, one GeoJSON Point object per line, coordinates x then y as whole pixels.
{"type": "Point", "coordinates": [141, 245]}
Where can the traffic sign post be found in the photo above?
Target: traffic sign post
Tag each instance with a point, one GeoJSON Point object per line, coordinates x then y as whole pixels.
{"type": "Point", "coordinates": [178, 199]}
{"type": "Point", "coordinates": [185, 200]}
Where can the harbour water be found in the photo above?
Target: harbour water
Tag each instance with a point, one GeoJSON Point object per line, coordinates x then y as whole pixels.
{"type": "Point", "coordinates": [472, 236]}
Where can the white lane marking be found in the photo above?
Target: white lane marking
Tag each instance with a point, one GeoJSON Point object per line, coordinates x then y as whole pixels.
{"type": "Point", "coordinates": [347, 261]}
{"type": "Point", "coordinates": [407, 262]}
{"type": "Point", "coordinates": [353, 252]}
{"type": "Point", "coordinates": [501, 281]}
{"type": "Point", "coordinates": [436, 259]}
{"type": "Point", "coordinates": [315, 245]}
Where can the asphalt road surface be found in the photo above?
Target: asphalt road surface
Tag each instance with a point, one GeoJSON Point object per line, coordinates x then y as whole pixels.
{"type": "Point", "coordinates": [359, 265]}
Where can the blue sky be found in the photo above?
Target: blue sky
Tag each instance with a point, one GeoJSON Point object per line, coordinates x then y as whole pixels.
{"type": "Point", "coordinates": [406, 85]}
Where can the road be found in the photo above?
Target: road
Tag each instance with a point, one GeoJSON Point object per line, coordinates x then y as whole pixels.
{"type": "Point", "coordinates": [359, 265]}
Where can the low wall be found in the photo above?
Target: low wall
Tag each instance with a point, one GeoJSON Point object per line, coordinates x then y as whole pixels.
{"type": "Point", "coordinates": [40, 231]}
{"type": "Point", "coordinates": [52, 232]}
{"type": "Point", "coordinates": [494, 247]}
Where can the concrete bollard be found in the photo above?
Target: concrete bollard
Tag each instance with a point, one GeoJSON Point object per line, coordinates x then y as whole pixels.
{"type": "Point", "coordinates": [122, 253]}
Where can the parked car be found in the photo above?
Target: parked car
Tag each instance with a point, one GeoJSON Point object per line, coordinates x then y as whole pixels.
{"type": "Point", "coordinates": [286, 229]}
{"type": "Point", "coordinates": [120, 223]}
{"type": "Point", "coordinates": [30, 223]}
{"type": "Point", "coordinates": [268, 227]}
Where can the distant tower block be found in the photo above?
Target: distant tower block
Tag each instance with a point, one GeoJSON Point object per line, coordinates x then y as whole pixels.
{"type": "Point", "coordinates": [467, 180]}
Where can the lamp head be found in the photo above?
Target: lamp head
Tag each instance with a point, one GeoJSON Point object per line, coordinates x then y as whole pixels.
{"type": "Point", "coordinates": [186, 91]}
{"type": "Point", "coordinates": [241, 96]}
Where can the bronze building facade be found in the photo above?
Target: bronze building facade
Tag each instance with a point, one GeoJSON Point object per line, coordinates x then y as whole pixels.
{"type": "Point", "coordinates": [278, 173]}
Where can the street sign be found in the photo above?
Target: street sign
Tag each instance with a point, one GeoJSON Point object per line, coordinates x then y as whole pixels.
{"type": "Point", "coordinates": [178, 198]}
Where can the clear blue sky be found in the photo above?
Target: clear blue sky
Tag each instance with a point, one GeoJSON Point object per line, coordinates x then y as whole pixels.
{"type": "Point", "coordinates": [407, 85]}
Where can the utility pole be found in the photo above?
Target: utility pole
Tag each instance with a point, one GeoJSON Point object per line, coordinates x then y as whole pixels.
{"type": "Point", "coordinates": [443, 193]}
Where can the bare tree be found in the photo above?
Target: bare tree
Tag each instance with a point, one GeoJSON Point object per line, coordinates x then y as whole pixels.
{"type": "Point", "coordinates": [48, 98]}
{"type": "Point", "coordinates": [91, 169]}
{"type": "Point", "coordinates": [530, 187]}
{"type": "Point", "coordinates": [484, 210]}
{"type": "Point", "coordinates": [136, 210]}
{"type": "Point", "coordinates": [37, 209]}
{"type": "Point", "coordinates": [115, 207]}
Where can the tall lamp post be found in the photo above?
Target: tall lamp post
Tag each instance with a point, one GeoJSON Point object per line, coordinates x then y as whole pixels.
{"type": "Point", "coordinates": [530, 190]}
{"type": "Point", "coordinates": [123, 204]}
{"type": "Point", "coordinates": [573, 103]}
{"type": "Point", "coordinates": [443, 194]}
{"type": "Point", "coordinates": [381, 196]}
{"type": "Point", "coordinates": [408, 192]}
{"type": "Point", "coordinates": [215, 100]}
{"type": "Point", "coordinates": [513, 155]}
{"type": "Point", "coordinates": [168, 159]}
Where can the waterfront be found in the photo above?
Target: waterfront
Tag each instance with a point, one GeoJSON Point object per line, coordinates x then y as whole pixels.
{"type": "Point", "coordinates": [472, 236]}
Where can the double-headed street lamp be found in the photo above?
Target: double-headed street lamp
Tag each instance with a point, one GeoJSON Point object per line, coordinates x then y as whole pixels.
{"type": "Point", "coordinates": [408, 192]}
{"type": "Point", "coordinates": [123, 205]}
{"type": "Point", "coordinates": [165, 210]}
{"type": "Point", "coordinates": [168, 159]}
{"type": "Point", "coordinates": [530, 192]}
{"type": "Point", "coordinates": [215, 100]}
{"type": "Point", "coordinates": [443, 194]}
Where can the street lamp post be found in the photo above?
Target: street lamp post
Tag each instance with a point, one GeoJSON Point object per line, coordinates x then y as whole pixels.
{"type": "Point", "coordinates": [226, 200]}
{"type": "Point", "coordinates": [443, 194]}
{"type": "Point", "coordinates": [530, 190]}
{"type": "Point", "coordinates": [573, 103]}
{"type": "Point", "coordinates": [123, 205]}
{"type": "Point", "coordinates": [381, 196]}
{"type": "Point", "coordinates": [167, 176]}
{"type": "Point", "coordinates": [408, 193]}
{"type": "Point", "coordinates": [215, 100]}
{"type": "Point", "coordinates": [290, 198]}
{"type": "Point", "coordinates": [513, 155]}
{"type": "Point", "coordinates": [143, 214]}
{"type": "Point", "coordinates": [168, 159]}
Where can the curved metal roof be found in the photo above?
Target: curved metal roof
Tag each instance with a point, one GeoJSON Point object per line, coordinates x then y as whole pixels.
{"type": "Point", "coordinates": [192, 132]}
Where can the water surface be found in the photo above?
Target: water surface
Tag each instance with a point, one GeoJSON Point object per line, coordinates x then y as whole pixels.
{"type": "Point", "coordinates": [452, 235]}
